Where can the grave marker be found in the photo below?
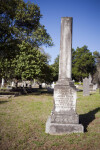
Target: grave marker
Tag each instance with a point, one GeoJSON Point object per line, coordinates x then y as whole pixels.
{"type": "Point", "coordinates": [63, 118]}
{"type": "Point", "coordinates": [86, 89]}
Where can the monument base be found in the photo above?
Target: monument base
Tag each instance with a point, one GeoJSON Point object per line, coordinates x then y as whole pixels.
{"type": "Point", "coordinates": [59, 129]}
{"type": "Point", "coordinates": [64, 119]}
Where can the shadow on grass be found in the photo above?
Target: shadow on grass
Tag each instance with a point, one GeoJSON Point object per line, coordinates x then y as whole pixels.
{"type": "Point", "coordinates": [86, 119]}
{"type": "Point", "coordinates": [79, 90]}
{"type": "Point", "coordinates": [92, 94]}
{"type": "Point", "coordinates": [2, 102]}
{"type": "Point", "coordinates": [37, 91]}
{"type": "Point", "coordinates": [31, 91]}
{"type": "Point", "coordinates": [46, 93]}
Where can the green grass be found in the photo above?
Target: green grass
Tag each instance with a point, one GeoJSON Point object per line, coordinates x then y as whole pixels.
{"type": "Point", "coordinates": [23, 118]}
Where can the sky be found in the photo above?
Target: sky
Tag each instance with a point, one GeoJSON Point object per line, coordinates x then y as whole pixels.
{"type": "Point", "coordinates": [86, 22]}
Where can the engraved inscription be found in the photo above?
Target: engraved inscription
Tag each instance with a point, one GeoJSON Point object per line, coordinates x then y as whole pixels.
{"type": "Point", "coordinates": [65, 99]}
{"type": "Point", "coordinates": [64, 119]}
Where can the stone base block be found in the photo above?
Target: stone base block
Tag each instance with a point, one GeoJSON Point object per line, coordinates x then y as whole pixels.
{"type": "Point", "coordinates": [59, 129]}
{"type": "Point", "coordinates": [64, 117]}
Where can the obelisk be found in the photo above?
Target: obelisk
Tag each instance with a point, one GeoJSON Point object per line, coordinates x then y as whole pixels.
{"type": "Point", "coordinates": [63, 118]}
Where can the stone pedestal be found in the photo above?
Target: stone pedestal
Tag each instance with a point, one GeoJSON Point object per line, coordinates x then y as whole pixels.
{"type": "Point", "coordinates": [63, 118]}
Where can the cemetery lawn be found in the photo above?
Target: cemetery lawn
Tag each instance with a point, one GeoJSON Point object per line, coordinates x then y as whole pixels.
{"type": "Point", "coordinates": [23, 118]}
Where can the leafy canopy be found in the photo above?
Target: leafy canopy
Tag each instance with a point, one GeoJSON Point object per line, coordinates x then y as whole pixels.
{"type": "Point", "coordinates": [96, 76]}
{"type": "Point", "coordinates": [82, 64]}
{"type": "Point", "coordinates": [21, 35]}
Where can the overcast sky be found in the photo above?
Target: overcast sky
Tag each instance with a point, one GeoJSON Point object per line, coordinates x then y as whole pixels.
{"type": "Point", "coordinates": [86, 22]}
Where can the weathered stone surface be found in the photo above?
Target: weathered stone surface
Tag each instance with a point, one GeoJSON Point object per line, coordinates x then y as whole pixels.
{"type": "Point", "coordinates": [90, 79]}
{"type": "Point", "coordinates": [64, 118]}
{"type": "Point", "coordinates": [65, 48]}
{"type": "Point", "coordinates": [86, 89]}
{"type": "Point", "coordinates": [94, 87]}
{"type": "Point", "coordinates": [61, 128]}
{"type": "Point", "coordinates": [65, 98]}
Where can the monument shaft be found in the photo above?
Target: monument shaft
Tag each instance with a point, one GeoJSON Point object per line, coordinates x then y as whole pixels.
{"type": "Point", "coordinates": [63, 118]}
{"type": "Point", "coordinates": [65, 48]}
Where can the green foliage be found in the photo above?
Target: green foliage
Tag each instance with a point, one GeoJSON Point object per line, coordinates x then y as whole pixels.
{"type": "Point", "coordinates": [21, 35]}
{"type": "Point", "coordinates": [55, 68]}
{"type": "Point", "coordinates": [31, 64]}
{"type": "Point", "coordinates": [96, 76]}
{"type": "Point", "coordinates": [83, 63]}
{"type": "Point", "coordinates": [40, 37]}
{"type": "Point", "coordinates": [28, 114]}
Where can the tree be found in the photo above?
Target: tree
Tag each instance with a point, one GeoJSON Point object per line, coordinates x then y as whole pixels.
{"type": "Point", "coordinates": [96, 75]}
{"type": "Point", "coordinates": [83, 63]}
{"type": "Point", "coordinates": [55, 68]}
{"type": "Point", "coordinates": [20, 23]}
{"type": "Point", "coordinates": [31, 64]}
{"type": "Point", "coordinates": [46, 54]}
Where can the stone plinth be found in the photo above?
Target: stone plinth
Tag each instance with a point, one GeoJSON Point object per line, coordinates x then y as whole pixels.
{"type": "Point", "coordinates": [63, 118]}
{"type": "Point", "coordinates": [60, 129]}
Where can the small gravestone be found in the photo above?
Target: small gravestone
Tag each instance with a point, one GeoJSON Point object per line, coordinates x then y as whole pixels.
{"type": "Point", "coordinates": [52, 85]}
{"type": "Point", "coordinates": [90, 79]}
{"type": "Point", "coordinates": [44, 85]}
{"type": "Point", "coordinates": [13, 84]}
{"type": "Point", "coordinates": [2, 83]}
{"type": "Point", "coordinates": [86, 89]}
{"type": "Point", "coordinates": [94, 87]}
{"type": "Point", "coordinates": [64, 118]}
{"type": "Point", "coordinates": [91, 87]}
{"type": "Point", "coordinates": [90, 83]}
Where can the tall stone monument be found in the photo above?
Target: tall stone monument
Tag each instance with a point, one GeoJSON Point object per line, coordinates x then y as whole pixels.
{"type": "Point", "coordinates": [63, 118]}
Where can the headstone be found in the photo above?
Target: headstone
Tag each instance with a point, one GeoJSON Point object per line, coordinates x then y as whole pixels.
{"type": "Point", "coordinates": [77, 85]}
{"type": "Point", "coordinates": [86, 89]}
{"type": "Point", "coordinates": [63, 118]}
{"type": "Point", "coordinates": [34, 83]}
{"type": "Point", "coordinates": [90, 79]}
{"type": "Point", "coordinates": [13, 84]}
{"type": "Point", "coordinates": [91, 87]}
{"type": "Point", "coordinates": [94, 87]}
{"type": "Point", "coordinates": [2, 83]}
{"type": "Point", "coordinates": [52, 85]}
{"type": "Point", "coordinates": [90, 83]}
{"type": "Point", "coordinates": [24, 84]}
{"type": "Point", "coordinates": [44, 85]}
